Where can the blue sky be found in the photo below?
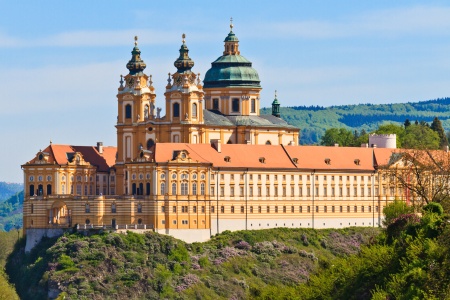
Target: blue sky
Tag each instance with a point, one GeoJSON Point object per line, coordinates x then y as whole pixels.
{"type": "Point", "coordinates": [60, 62]}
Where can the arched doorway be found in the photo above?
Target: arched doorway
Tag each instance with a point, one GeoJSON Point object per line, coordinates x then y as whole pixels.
{"type": "Point", "coordinates": [59, 214]}
{"type": "Point", "coordinates": [113, 223]}
{"type": "Point", "coordinates": [40, 190]}
{"type": "Point", "coordinates": [150, 143]}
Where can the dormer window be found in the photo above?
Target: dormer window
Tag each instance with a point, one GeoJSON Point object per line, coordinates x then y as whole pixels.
{"type": "Point", "coordinates": [328, 161]}
{"type": "Point", "coordinates": [262, 160]}
{"type": "Point", "coordinates": [357, 162]}
{"type": "Point", "coordinates": [41, 156]}
{"type": "Point", "coordinates": [227, 159]}
{"type": "Point", "coordinates": [295, 160]}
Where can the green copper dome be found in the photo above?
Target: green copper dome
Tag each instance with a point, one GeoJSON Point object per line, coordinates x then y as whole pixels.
{"type": "Point", "coordinates": [231, 69]}
{"type": "Point", "coordinates": [136, 65]}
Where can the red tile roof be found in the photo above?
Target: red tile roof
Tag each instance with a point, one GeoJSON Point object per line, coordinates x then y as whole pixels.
{"type": "Point", "coordinates": [59, 154]}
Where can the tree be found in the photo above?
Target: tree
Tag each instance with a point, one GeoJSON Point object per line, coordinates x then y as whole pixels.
{"type": "Point", "coordinates": [407, 123]}
{"type": "Point", "coordinates": [340, 136]}
{"type": "Point", "coordinates": [425, 174]}
{"type": "Point", "coordinates": [436, 126]}
{"type": "Point", "coordinates": [420, 137]}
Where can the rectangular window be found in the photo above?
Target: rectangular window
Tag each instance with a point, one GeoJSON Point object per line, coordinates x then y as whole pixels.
{"type": "Point", "coordinates": [212, 190]}
{"type": "Point", "coordinates": [292, 191]}
{"type": "Point", "coordinates": [362, 192]}
{"type": "Point", "coordinates": [232, 191]}
{"type": "Point", "coordinates": [309, 209]}
{"type": "Point", "coordinates": [267, 191]}
{"type": "Point", "coordinates": [241, 191]}
{"type": "Point", "coordinates": [222, 209]}
{"type": "Point", "coordinates": [355, 192]}
{"type": "Point", "coordinates": [292, 209]}
{"type": "Point", "coordinates": [369, 191]}
{"type": "Point", "coordinates": [232, 209]}
{"type": "Point", "coordinates": [362, 208]}
{"type": "Point", "coordinates": [340, 208]}
{"type": "Point", "coordinates": [268, 209]}
{"type": "Point", "coordinates": [222, 191]}
{"type": "Point", "coordinates": [203, 209]}
{"type": "Point", "coordinates": [276, 191]}
{"type": "Point", "coordinates": [276, 209]}
{"type": "Point", "coordinates": [259, 209]}
{"type": "Point", "coordinates": [370, 208]}
{"type": "Point", "coordinates": [317, 209]}
{"type": "Point", "coordinates": [325, 209]}
{"type": "Point", "coordinates": [355, 208]}
{"type": "Point", "coordinates": [212, 209]}
{"type": "Point", "coordinates": [348, 209]}
{"type": "Point", "coordinates": [300, 191]}
{"type": "Point", "coordinates": [242, 209]}
{"type": "Point", "coordinates": [325, 191]}
{"type": "Point", "coordinates": [184, 222]}
{"type": "Point", "coordinates": [235, 105]}
{"type": "Point", "coordinates": [232, 176]}
{"type": "Point", "coordinates": [308, 191]}
{"type": "Point", "coordinates": [284, 191]}
{"type": "Point", "coordinates": [194, 209]}
{"type": "Point", "coordinates": [259, 191]}
{"type": "Point", "coordinates": [163, 209]}
{"type": "Point", "coordinates": [215, 105]}
{"type": "Point", "coordinates": [174, 209]}
{"type": "Point", "coordinates": [251, 209]}
{"type": "Point", "coordinates": [376, 208]}
{"type": "Point", "coordinates": [253, 105]}
{"type": "Point", "coordinates": [284, 209]}
{"type": "Point", "coordinates": [251, 191]}
{"type": "Point", "coordinates": [317, 191]}
{"type": "Point", "coordinates": [348, 192]}
{"type": "Point", "coordinates": [332, 192]}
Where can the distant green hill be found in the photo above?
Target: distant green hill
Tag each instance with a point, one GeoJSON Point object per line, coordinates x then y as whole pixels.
{"type": "Point", "coordinates": [8, 189]}
{"type": "Point", "coordinates": [11, 212]}
{"type": "Point", "coordinates": [314, 120]}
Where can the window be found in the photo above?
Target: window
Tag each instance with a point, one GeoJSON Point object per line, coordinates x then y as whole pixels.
{"type": "Point", "coordinates": [174, 209]}
{"type": "Point", "coordinates": [241, 191]}
{"type": "Point", "coordinates": [284, 209]}
{"type": "Point", "coordinates": [292, 209]}
{"type": "Point", "coordinates": [362, 208]}
{"type": "Point", "coordinates": [163, 209]}
{"type": "Point", "coordinates": [253, 106]}
{"type": "Point", "coordinates": [212, 209]}
{"type": "Point", "coordinates": [203, 209]}
{"type": "Point", "coordinates": [139, 208]}
{"type": "Point", "coordinates": [308, 209]}
{"type": "Point", "coordinates": [32, 178]}
{"type": "Point", "coordinates": [128, 111]}
{"type": "Point", "coordinates": [370, 208]}
{"type": "Point", "coordinates": [235, 105]}
{"type": "Point", "coordinates": [174, 222]}
{"type": "Point", "coordinates": [185, 209]}
{"type": "Point", "coordinates": [87, 208]}
{"type": "Point", "coordinates": [325, 209]}
{"type": "Point", "coordinates": [332, 192]}
{"type": "Point", "coordinates": [212, 191]}
{"type": "Point", "coordinates": [222, 209]}
{"type": "Point", "coordinates": [113, 208]}
{"type": "Point", "coordinates": [332, 209]}
{"type": "Point", "coordinates": [267, 191]}
{"type": "Point", "coordinates": [259, 191]}
{"type": "Point", "coordinates": [215, 104]}
{"type": "Point", "coordinates": [355, 209]}
{"type": "Point", "coordinates": [251, 191]}
{"type": "Point", "coordinates": [292, 191]}
{"type": "Point", "coordinates": [174, 188]}
{"type": "Point", "coordinates": [163, 188]}
{"type": "Point", "coordinates": [232, 191]}
{"type": "Point", "coordinates": [276, 209]}
{"type": "Point", "coordinates": [325, 191]}
{"type": "Point", "coordinates": [362, 192]}
{"type": "Point", "coordinates": [194, 110]}
{"type": "Point", "coordinates": [259, 209]}
{"type": "Point", "coordinates": [184, 188]}
{"type": "Point", "coordinates": [194, 188]}
{"type": "Point", "coordinates": [49, 178]}
{"type": "Point", "coordinates": [79, 189]}
{"type": "Point", "coordinates": [242, 209]}
{"type": "Point", "coordinates": [340, 208]}
{"type": "Point", "coordinates": [251, 209]}
{"type": "Point", "coordinates": [222, 191]}
{"type": "Point", "coordinates": [268, 209]}
{"type": "Point", "coordinates": [184, 222]}
{"type": "Point", "coordinates": [232, 209]}
{"type": "Point", "coordinates": [176, 110]}
{"type": "Point", "coordinates": [202, 188]}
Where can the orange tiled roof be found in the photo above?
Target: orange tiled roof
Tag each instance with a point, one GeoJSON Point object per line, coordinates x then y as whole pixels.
{"type": "Point", "coordinates": [59, 154]}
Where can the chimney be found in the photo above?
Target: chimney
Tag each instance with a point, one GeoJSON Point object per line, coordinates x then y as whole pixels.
{"type": "Point", "coordinates": [446, 148]}
{"type": "Point", "coordinates": [336, 145]}
{"type": "Point", "coordinates": [100, 147]}
{"type": "Point", "coordinates": [365, 145]}
{"type": "Point", "coordinates": [374, 145]}
{"type": "Point", "coordinates": [217, 145]}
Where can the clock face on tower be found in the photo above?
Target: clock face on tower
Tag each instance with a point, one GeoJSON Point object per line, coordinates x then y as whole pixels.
{"type": "Point", "coordinates": [178, 80]}
{"type": "Point", "coordinates": [130, 82]}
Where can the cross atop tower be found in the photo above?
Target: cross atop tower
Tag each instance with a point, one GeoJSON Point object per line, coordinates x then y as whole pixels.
{"type": "Point", "coordinates": [135, 40]}
{"type": "Point", "coordinates": [231, 23]}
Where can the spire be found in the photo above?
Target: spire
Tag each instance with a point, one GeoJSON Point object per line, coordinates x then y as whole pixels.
{"type": "Point", "coordinates": [231, 42]}
{"type": "Point", "coordinates": [184, 63]}
{"type": "Point", "coordinates": [276, 106]}
{"type": "Point", "coordinates": [136, 65]}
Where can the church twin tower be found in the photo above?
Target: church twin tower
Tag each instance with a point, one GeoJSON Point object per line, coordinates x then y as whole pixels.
{"type": "Point", "coordinates": [224, 109]}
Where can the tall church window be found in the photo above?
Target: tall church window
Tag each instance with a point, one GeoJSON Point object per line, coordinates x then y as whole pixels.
{"type": "Point", "coordinates": [128, 111]}
{"type": "Point", "coordinates": [253, 106]}
{"type": "Point", "coordinates": [194, 110]}
{"type": "Point", "coordinates": [215, 104]}
{"type": "Point", "coordinates": [235, 105]}
{"type": "Point", "coordinates": [147, 188]}
{"type": "Point", "coordinates": [194, 188]}
{"type": "Point", "coordinates": [163, 188]}
{"type": "Point", "coordinates": [184, 188]}
{"type": "Point", "coordinates": [202, 188]}
{"type": "Point", "coordinates": [176, 110]}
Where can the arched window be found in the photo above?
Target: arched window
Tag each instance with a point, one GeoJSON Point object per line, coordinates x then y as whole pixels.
{"type": "Point", "coordinates": [141, 189]}
{"type": "Point", "coordinates": [150, 143]}
{"type": "Point", "coordinates": [31, 189]}
{"type": "Point", "coordinates": [235, 105]}
{"type": "Point", "coordinates": [194, 110]}
{"type": "Point", "coordinates": [128, 111]}
{"type": "Point", "coordinates": [194, 188]}
{"type": "Point", "coordinates": [147, 188]}
{"type": "Point", "coordinates": [163, 188]}
{"type": "Point", "coordinates": [184, 188]}
{"type": "Point", "coordinates": [49, 189]}
{"type": "Point", "coordinates": [268, 142]}
{"type": "Point", "coordinates": [176, 110]}
{"type": "Point", "coordinates": [202, 188]}
{"type": "Point", "coordinates": [133, 189]}
{"type": "Point", "coordinates": [174, 188]}
{"type": "Point", "coordinates": [146, 111]}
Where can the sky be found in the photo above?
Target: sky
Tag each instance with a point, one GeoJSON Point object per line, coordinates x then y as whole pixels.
{"type": "Point", "coordinates": [61, 61]}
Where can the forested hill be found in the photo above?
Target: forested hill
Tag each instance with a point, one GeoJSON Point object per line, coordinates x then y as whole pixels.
{"type": "Point", "coordinates": [314, 120]}
{"type": "Point", "coordinates": [8, 189]}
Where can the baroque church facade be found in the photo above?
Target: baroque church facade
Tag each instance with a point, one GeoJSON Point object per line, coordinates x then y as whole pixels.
{"type": "Point", "coordinates": [211, 163]}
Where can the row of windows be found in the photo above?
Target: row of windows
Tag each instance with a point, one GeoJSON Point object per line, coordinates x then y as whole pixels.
{"type": "Point", "coordinates": [301, 209]}
{"type": "Point", "coordinates": [235, 105]}
{"type": "Point", "coordinates": [184, 176]}
{"type": "Point", "coordinates": [184, 209]}
{"type": "Point", "coordinates": [184, 188]}
{"type": "Point", "coordinates": [283, 192]}
{"type": "Point", "coordinates": [184, 222]}
{"type": "Point", "coordinates": [300, 177]}
{"type": "Point", "coordinates": [79, 178]}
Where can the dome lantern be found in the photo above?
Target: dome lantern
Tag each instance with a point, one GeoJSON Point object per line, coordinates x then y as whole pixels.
{"type": "Point", "coordinates": [136, 65]}
{"type": "Point", "coordinates": [184, 63]}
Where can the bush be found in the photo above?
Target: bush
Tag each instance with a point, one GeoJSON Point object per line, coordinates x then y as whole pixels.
{"type": "Point", "coordinates": [434, 207]}
{"type": "Point", "coordinates": [393, 210]}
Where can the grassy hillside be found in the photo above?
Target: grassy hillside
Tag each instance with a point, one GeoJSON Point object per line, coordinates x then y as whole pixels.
{"type": "Point", "coordinates": [314, 120]}
{"type": "Point", "coordinates": [11, 212]}
{"type": "Point", "coordinates": [238, 265]}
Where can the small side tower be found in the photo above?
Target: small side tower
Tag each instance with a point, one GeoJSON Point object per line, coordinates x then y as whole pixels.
{"type": "Point", "coordinates": [276, 107]}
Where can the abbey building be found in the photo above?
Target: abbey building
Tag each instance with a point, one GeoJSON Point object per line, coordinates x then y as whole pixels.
{"type": "Point", "coordinates": [210, 163]}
